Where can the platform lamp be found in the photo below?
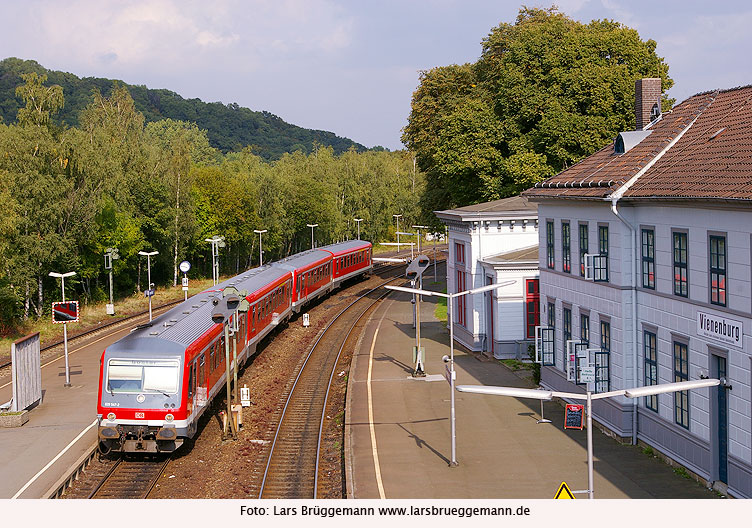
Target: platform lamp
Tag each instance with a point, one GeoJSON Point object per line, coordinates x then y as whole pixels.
{"type": "Point", "coordinates": [450, 358]}
{"type": "Point", "coordinates": [261, 252]}
{"type": "Point", "coordinates": [419, 227]}
{"type": "Point", "coordinates": [216, 242]}
{"type": "Point", "coordinates": [358, 220]}
{"type": "Point", "coordinates": [636, 392]}
{"type": "Point", "coordinates": [312, 226]}
{"type": "Point", "coordinates": [397, 217]}
{"type": "Point", "coordinates": [62, 277]}
{"type": "Point", "coordinates": [150, 289]}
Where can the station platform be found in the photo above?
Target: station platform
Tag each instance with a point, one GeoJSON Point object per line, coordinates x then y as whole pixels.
{"type": "Point", "coordinates": [397, 436]}
{"type": "Point", "coordinates": [61, 430]}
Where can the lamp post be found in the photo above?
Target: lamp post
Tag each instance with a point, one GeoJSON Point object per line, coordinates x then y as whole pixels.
{"type": "Point", "coordinates": [397, 216]}
{"type": "Point", "coordinates": [62, 276]}
{"type": "Point", "coordinates": [150, 290]}
{"type": "Point", "coordinates": [216, 242]}
{"type": "Point", "coordinates": [637, 392]}
{"type": "Point", "coordinates": [419, 227]}
{"type": "Point", "coordinates": [261, 252]}
{"type": "Point", "coordinates": [358, 220]}
{"type": "Point", "coordinates": [312, 226]}
{"type": "Point", "coordinates": [452, 375]}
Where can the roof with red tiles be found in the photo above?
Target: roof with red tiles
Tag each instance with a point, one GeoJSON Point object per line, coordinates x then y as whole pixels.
{"type": "Point", "coordinates": [701, 149]}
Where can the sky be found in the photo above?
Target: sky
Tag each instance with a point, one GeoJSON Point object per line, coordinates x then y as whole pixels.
{"type": "Point", "coordinates": [349, 67]}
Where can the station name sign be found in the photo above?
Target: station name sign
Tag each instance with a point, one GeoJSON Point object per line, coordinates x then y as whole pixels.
{"type": "Point", "coordinates": [723, 329]}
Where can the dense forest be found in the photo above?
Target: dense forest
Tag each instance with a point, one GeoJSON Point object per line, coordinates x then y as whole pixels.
{"type": "Point", "coordinates": [115, 180]}
{"type": "Point", "coordinates": [229, 127]}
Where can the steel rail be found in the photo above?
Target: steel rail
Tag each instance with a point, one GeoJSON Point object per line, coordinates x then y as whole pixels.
{"type": "Point", "coordinates": [297, 378]}
{"type": "Point", "coordinates": [331, 378]}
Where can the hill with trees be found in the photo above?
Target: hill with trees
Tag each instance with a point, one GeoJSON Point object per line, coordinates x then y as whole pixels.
{"type": "Point", "coordinates": [229, 127]}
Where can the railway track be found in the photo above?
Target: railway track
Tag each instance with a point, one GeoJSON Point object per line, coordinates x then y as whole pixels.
{"type": "Point", "coordinates": [292, 466]}
{"type": "Point", "coordinates": [129, 478]}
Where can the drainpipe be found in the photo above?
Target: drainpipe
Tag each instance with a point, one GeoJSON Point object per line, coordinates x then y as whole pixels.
{"type": "Point", "coordinates": [633, 287]}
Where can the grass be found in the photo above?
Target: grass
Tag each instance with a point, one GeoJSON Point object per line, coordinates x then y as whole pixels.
{"type": "Point", "coordinates": [682, 472]}
{"type": "Point", "coordinates": [440, 312]}
{"type": "Point", "coordinates": [515, 364]}
{"type": "Point", "coordinates": [11, 413]}
{"type": "Point", "coordinates": [95, 313]}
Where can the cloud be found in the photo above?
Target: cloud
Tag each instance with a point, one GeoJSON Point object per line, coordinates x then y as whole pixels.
{"type": "Point", "coordinates": [173, 35]}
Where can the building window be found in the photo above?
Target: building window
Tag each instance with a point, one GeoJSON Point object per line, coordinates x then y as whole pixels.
{"type": "Point", "coordinates": [651, 368]}
{"type": "Point", "coordinates": [585, 329]}
{"type": "Point", "coordinates": [566, 248]}
{"type": "Point", "coordinates": [718, 270]}
{"type": "Point", "coordinates": [648, 259]}
{"type": "Point", "coordinates": [550, 359]}
{"type": "Point", "coordinates": [681, 286]}
{"type": "Point", "coordinates": [459, 253]}
{"type": "Point", "coordinates": [532, 306]}
{"type": "Point", "coordinates": [602, 360]}
{"type": "Point", "coordinates": [600, 265]}
{"type": "Point", "coordinates": [681, 373]}
{"type": "Point", "coordinates": [550, 244]}
{"type": "Point", "coordinates": [566, 324]}
{"type": "Point", "coordinates": [583, 247]}
{"type": "Point", "coordinates": [461, 300]}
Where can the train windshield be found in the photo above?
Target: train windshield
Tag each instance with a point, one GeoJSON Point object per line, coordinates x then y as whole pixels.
{"type": "Point", "coordinates": [142, 375]}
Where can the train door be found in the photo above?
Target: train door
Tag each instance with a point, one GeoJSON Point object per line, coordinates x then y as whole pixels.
{"type": "Point", "coordinates": [201, 387]}
{"type": "Point", "coordinates": [191, 388]}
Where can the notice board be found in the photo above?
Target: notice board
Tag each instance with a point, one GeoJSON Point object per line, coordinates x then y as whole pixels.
{"type": "Point", "coordinates": [574, 416]}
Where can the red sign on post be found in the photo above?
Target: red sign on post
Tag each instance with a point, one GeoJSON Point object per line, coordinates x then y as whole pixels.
{"type": "Point", "coordinates": [574, 416]}
{"type": "Point", "coordinates": [65, 312]}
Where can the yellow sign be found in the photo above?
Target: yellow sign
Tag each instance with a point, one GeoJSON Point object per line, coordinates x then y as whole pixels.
{"type": "Point", "coordinates": [564, 492]}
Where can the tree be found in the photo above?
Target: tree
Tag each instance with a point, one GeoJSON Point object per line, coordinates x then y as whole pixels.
{"type": "Point", "coordinates": [546, 92]}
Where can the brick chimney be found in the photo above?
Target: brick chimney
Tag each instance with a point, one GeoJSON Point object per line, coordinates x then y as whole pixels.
{"type": "Point", "coordinates": [647, 101]}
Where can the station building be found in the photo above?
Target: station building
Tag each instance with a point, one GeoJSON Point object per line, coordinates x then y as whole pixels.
{"type": "Point", "coordinates": [490, 243]}
{"type": "Point", "coordinates": [645, 251]}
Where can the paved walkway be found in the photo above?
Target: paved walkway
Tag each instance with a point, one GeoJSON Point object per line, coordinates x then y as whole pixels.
{"type": "Point", "coordinates": [63, 421]}
{"type": "Point", "coordinates": [501, 449]}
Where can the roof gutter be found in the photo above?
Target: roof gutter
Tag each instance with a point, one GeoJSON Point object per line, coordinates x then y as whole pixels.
{"type": "Point", "coordinates": [614, 198]}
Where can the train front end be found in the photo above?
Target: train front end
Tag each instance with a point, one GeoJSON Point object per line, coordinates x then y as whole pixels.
{"type": "Point", "coordinates": [141, 408]}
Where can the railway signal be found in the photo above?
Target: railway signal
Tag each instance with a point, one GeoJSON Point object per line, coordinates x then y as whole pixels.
{"type": "Point", "coordinates": [62, 277]}
{"type": "Point", "coordinates": [150, 291]}
{"type": "Point", "coordinates": [414, 272]}
{"type": "Point", "coordinates": [110, 255]}
{"type": "Point", "coordinates": [224, 310]}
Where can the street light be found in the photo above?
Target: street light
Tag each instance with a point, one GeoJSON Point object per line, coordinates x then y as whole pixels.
{"type": "Point", "coordinates": [419, 227]}
{"type": "Point", "coordinates": [358, 220]}
{"type": "Point", "coordinates": [452, 375]}
{"type": "Point", "coordinates": [261, 253]}
{"type": "Point", "coordinates": [312, 226]}
{"type": "Point", "coordinates": [150, 290]}
{"type": "Point", "coordinates": [62, 276]}
{"type": "Point", "coordinates": [397, 216]}
{"type": "Point", "coordinates": [636, 392]}
{"type": "Point", "coordinates": [216, 242]}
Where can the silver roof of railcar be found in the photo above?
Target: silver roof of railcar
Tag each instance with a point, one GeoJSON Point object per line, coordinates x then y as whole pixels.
{"type": "Point", "coordinates": [302, 259]}
{"type": "Point", "coordinates": [344, 246]}
{"type": "Point", "coordinates": [189, 320]}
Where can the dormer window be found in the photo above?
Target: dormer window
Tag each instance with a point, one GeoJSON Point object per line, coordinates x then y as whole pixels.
{"type": "Point", "coordinates": [655, 112]}
{"type": "Point", "coordinates": [625, 141]}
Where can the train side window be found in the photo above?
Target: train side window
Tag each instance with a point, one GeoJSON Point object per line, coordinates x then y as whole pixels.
{"type": "Point", "coordinates": [201, 370]}
{"type": "Point", "coordinates": [191, 380]}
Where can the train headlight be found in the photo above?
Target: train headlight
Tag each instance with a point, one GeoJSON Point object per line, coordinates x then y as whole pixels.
{"type": "Point", "coordinates": [110, 416]}
{"type": "Point", "coordinates": [169, 417]}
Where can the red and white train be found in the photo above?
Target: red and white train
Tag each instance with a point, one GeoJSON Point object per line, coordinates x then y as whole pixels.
{"type": "Point", "coordinates": [155, 383]}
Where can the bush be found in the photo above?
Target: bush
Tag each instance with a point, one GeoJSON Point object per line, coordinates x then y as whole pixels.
{"type": "Point", "coordinates": [536, 366]}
